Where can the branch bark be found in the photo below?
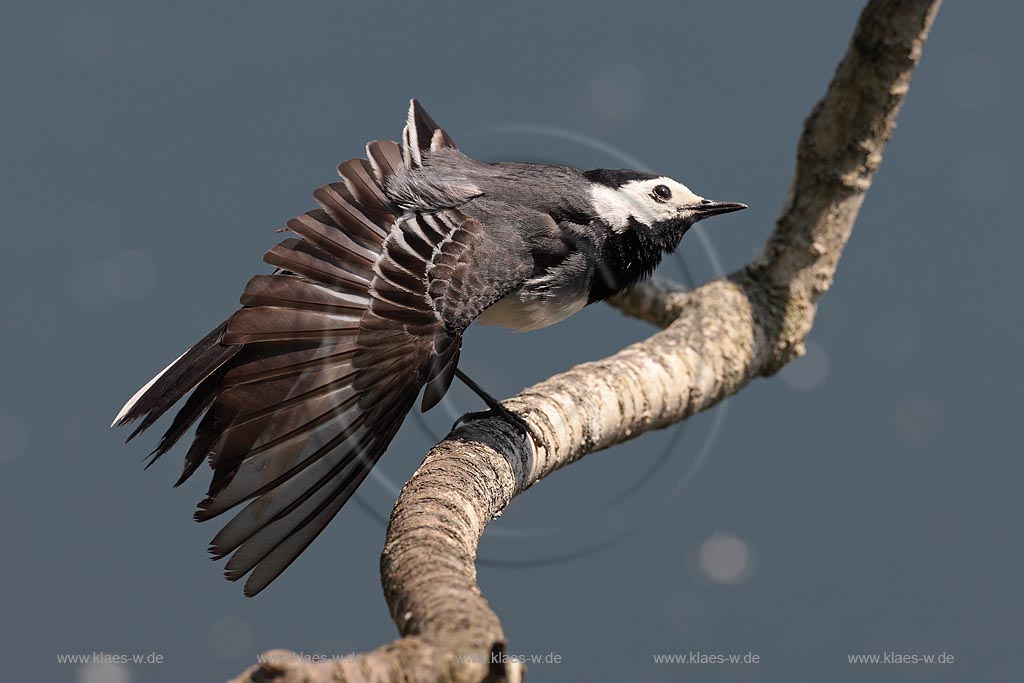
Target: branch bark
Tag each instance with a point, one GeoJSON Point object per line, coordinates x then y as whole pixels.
{"type": "Point", "coordinates": [714, 341]}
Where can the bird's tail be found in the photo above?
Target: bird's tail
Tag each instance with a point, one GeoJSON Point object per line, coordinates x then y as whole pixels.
{"type": "Point", "coordinates": [289, 417]}
{"type": "Point", "coordinates": [190, 370]}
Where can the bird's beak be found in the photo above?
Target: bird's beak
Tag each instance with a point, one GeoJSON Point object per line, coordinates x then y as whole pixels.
{"type": "Point", "coordinates": [709, 208]}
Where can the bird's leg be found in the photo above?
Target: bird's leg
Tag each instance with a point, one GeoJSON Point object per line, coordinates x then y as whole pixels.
{"type": "Point", "coordinates": [494, 407]}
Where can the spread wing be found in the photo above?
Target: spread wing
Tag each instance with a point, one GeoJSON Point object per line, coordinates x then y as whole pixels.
{"type": "Point", "coordinates": [298, 394]}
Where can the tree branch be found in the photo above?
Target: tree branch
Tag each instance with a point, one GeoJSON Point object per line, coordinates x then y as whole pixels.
{"type": "Point", "coordinates": [715, 340]}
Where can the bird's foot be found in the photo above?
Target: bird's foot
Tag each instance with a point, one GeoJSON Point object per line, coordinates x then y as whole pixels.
{"type": "Point", "coordinates": [498, 410]}
{"type": "Point", "coordinates": [494, 409]}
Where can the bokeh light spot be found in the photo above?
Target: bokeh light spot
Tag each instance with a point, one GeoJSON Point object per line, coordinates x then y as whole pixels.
{"type": "Point", "coordinates": [87, 37]}
{"type": "Point", "coordinates": [130, 275]}
{"type": "Point", "coordinates": [616, 93]}
{"type": "Point", "coordinates": [105, 672]}
{"type": "Point", "coordinates": [725, 558]}
{"type": "Point", "coordinates": [808, 371]}
{"type": "Point", "coordinates": [939, 525]}
{"type": "Point", "coordinates": [984, 176]}
{"type": "Point", "coordinates": [973, 82]}
{"type": "Point", "coordinates": [230, 637]}
{"type": "Point", "coordinates": [918, 422]}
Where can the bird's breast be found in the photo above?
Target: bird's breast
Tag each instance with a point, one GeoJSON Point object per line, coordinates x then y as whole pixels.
{"type": "Point", "coordinates": [524, 315]}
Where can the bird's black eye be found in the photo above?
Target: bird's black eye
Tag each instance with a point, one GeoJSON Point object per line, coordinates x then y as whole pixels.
{"type": "Point", "coordinates": [662, 193]}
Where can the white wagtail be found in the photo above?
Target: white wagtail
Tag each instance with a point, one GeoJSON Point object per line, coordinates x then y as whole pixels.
{"type": "Point", "coordinates": [299, 392]}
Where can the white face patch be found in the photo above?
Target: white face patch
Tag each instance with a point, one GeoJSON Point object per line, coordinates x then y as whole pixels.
{"type": "Point", "coordinates": [644, 200]}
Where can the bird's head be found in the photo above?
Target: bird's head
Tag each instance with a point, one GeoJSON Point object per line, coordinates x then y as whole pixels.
{"type": "Point", "coordinates": [635, 200]}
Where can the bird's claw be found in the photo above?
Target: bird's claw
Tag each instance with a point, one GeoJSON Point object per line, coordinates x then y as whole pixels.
{"type": "Point", "coordinates": [500, 411]}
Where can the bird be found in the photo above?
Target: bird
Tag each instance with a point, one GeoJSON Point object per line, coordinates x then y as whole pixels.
{"type": "Point", "coordinates": [300, 391]}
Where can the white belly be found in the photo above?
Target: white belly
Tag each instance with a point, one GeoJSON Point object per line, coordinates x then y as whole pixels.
{"type": "Point", "coordinates": [523, 316]}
